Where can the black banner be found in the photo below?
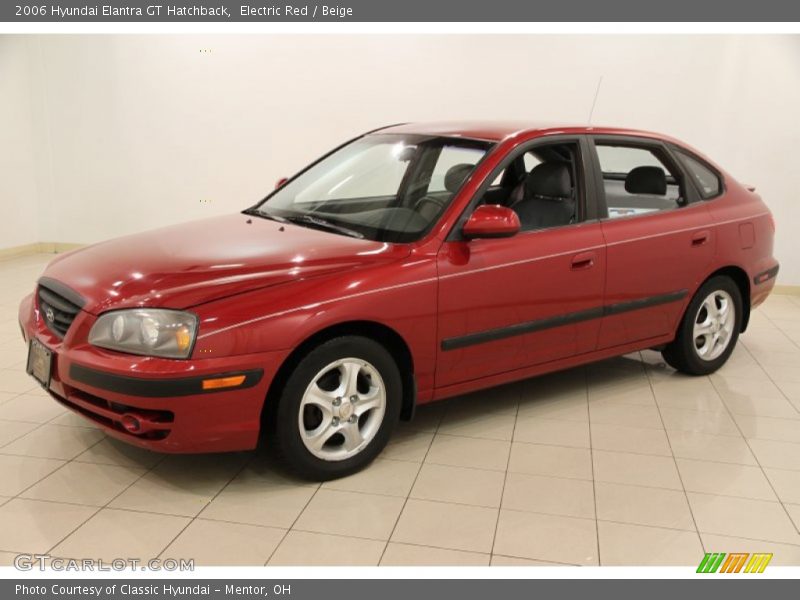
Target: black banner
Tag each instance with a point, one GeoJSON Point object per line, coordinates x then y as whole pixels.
{"type": "Point", "coordinates": [396, 589]}
{"type": "Point", "coordinates": [149, 11]}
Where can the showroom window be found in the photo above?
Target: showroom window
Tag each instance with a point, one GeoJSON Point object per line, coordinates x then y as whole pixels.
{"type": "Point", "coordinates": [708, 182]}
{"type": "Point", "coordinates": [637, 181]}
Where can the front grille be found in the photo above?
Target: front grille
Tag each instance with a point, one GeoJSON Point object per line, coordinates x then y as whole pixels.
{"type": "Point", "coordinates": [57, 312]}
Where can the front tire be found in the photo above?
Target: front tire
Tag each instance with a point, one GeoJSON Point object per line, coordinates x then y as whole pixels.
{"type": "Point", "coordinates": [709, 329]}
{"type": "Point", "coordinates": [338, 408]}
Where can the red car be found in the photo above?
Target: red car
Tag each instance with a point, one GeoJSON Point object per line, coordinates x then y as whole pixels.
{"type": "Point", "coordinates": [413, 263]}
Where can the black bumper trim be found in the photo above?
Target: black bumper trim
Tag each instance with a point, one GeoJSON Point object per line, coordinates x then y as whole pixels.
{"type": "Point", "coordinates": [766, 275]}
{"type": "Point", "coordinates": [157, 388]}
{"type": "Point", "coordinates": [492, 335]}
{"type": "Point", "coordinates": [622, 307]}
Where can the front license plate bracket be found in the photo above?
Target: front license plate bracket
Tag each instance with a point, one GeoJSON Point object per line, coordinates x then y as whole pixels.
{"type": "Point", "coordinates": [40, 363]}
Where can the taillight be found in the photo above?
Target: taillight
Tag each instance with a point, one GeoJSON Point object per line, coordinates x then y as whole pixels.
{"type": "Point", "coordinates": [772, 222]}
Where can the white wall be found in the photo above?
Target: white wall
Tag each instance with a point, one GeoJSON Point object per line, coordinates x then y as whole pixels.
{"type": "Point", "coordinates": [130, 132]}
{"type": "Point", "coordinates": [19, 196]}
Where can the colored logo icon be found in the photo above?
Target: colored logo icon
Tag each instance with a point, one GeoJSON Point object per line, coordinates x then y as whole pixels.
{"type": "Point", "coordinates": [741, 562]}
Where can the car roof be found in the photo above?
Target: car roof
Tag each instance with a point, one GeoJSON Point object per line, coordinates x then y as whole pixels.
{"type": "Point", "coordinates": [496, 131]}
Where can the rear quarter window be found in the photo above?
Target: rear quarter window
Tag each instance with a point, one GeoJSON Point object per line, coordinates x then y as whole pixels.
{"type": "Point", "coordinates": [708, 182]}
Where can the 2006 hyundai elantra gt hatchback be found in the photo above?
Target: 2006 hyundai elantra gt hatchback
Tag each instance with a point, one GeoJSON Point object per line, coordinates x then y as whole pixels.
{"type": "Point", "coordinates": [411, 264]}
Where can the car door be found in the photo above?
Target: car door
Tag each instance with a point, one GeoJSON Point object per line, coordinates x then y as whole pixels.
{"type": "Point", "coordinates": [506, 304]}
{"type": "Point", "coordinates": [659, 239]}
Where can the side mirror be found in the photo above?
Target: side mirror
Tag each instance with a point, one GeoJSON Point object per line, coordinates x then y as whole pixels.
{"type": "Point", "coordinates": [491, 221]}
{"type": "Point", "coordinates": [280, 182]}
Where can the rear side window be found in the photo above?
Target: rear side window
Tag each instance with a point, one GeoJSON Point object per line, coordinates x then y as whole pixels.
{"type": "Point", "coordinates": [708, 182]}
{"type": "Point", "coordinates": [637, 181]}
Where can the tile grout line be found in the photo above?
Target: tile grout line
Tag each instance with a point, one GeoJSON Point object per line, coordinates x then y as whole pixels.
{"type": "Point", "coordinates": [429, 500]}
{"type": "Point", "coordinates": [65, 462]}
{"type": "Point", "coordinates": [413, 483]}
{"type": "Point", "coordinates": [674, 459]}
{"type": "Point", "coordinates": [416, 545]}
{"type": "Point", "coordinates": [591, 460]}
{"type": "Point", "coordinates": [755, 358]}
{"type": "Point", "coordinates": [192, 519]}
{"type": "Point", "coordinates": [645, 525]}
{"type": "Point", "coordinates": [291, 526]}
{"type": "Point", "coordinates": [11, 441]}
{"type": "Point", "coordinates": [39, 425]}
{"type": "Point", "coordinates": [780, 329]}
{"type": "Point", "coordinates": [96, 512]}
{"type": "Point", "coordinates": [523, 387]}
{"type": "Point", "coordinates": [77, 459]}
{"type": "Point", "coordinates": [18, 495]}
{"type": "Point", "coordinates": [14, 395]}
{"type": "Point", "coordinates": [763, 472]}
{"type": "Point", "coordinates": [730, 436]}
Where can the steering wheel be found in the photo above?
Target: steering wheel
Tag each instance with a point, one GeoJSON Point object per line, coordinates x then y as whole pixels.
{"type": "Point", "coordinates": [438, 202]}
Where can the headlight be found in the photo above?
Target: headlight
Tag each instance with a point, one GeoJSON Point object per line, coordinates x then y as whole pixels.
{"type": "Point", "coordinates": [148, 331]}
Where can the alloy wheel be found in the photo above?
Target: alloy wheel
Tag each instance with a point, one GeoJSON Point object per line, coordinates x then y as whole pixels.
{"type": "Point", "coordinates": [342, 409]}
{"type": "Point", "coordinates": [713, 325]}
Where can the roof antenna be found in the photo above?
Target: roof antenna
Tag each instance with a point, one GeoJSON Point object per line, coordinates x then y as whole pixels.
{"type": "Point", "coordinates": [594, 102]}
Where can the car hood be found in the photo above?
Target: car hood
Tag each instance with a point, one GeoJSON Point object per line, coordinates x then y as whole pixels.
{"type": "Point", "coordinates": [185, 265]}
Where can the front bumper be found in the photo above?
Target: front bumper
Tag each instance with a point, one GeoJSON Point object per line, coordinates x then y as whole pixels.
{"type": "Point", "coordinates": [165, 396]}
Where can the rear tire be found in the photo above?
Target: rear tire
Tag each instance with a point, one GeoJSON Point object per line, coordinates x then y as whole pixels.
{"type": "Point", "coordinates": [709, 329]}
{"type": "Point", "coordinates": [338, 408]}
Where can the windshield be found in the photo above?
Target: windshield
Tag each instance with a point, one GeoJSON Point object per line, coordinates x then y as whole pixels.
{"type": "Point", "coordinates": [382, 187]}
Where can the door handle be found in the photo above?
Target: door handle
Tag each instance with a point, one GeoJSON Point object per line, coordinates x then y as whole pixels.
{"type": "Point", "coordinates": [700, 238]}
{"type": "Point", "coordinates": [584, 260]}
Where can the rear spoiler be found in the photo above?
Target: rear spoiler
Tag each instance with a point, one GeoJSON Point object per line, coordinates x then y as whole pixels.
{"type": "Point", "coordinates": [749, 188]}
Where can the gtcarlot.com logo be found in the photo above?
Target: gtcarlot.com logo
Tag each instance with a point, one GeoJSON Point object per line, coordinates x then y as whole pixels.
{"type": "Point", "coordinates": [736, 562]}
{"type": "Point", "coordinates": [29, 562]}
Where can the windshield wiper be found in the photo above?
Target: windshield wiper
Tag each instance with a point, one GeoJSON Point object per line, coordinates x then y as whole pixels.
{"type": "Point", "coordinates": [304, 220]}
{"type": "Point", "coordinates": [323, 223]}
{"type": "Point", "coordinates": [258, 213]}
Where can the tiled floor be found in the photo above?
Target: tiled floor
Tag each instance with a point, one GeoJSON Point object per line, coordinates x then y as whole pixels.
{"type": "Point", "coordinates": [623, 462]}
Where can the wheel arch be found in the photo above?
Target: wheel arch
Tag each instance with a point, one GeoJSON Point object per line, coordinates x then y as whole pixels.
{"type": "Point", "coordinates": [742, 281]}
{"type": "Point", "coordinates": [378, 332]}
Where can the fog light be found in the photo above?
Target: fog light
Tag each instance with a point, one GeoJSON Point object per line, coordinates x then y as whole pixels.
{"type": "Point", "coordinates": [131, 423]}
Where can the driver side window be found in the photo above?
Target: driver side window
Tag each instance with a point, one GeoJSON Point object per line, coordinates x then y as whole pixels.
{"type": "Point", "coordinates": [542, 185]}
